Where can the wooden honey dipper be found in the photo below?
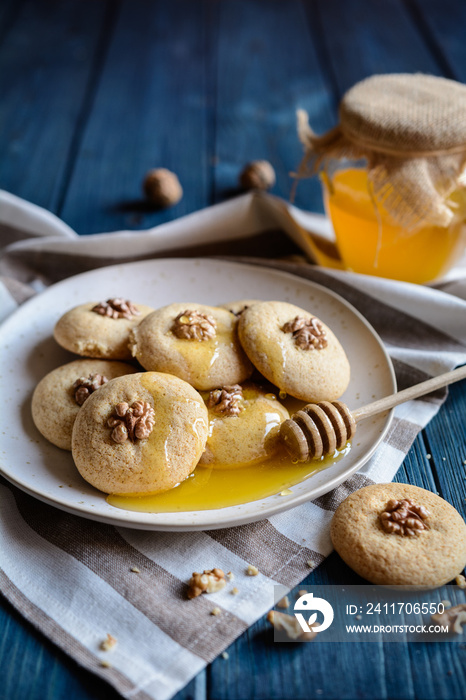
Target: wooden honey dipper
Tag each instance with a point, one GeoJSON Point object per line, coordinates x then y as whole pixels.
{"type": "Point", "coordinates": [319, 429]}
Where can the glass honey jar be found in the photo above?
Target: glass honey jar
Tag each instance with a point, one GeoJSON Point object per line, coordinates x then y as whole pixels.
{"type": "Point", "coordinates": [369, 241]}
{"type": "Point", "coordinates": [393, 176]}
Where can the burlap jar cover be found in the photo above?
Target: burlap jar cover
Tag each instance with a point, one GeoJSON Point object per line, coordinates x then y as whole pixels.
{"type": "Point", "coordinates": [411, 130]}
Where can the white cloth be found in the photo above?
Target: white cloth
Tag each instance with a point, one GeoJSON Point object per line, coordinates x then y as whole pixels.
{"type": "Point", "coordinates": [72, 577]}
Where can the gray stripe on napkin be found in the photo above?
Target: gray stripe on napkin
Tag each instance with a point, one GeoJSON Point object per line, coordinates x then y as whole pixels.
{"type": "Point", "coordinates": [157, 594]}
{"type": "Point", "coordinates": [331, 501]}
{"type": "Point", "coordinates": [274, 554]}
{"type": "Point", "coordinates": [19, 291]}
{"type": "Point", "coordinates": [12, 234]}
{"type": "Point", "coordinates": [402, 434]}
{"type": "Point", "coordinates": [53, 266]}
{"type": "Point", "coordinates": [407, 375]}
{"type": "Point", "coordinates": [455, 287]}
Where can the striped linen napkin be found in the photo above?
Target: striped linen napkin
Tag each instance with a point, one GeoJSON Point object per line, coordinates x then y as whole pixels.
{"type": "Point", "coordinates": [77, 580]}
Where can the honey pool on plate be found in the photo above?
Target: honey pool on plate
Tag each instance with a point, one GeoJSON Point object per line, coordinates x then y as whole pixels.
{"type": "Point", "coordinates": [210, 487]}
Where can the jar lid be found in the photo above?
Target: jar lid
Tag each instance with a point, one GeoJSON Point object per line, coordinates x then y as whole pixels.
{"type": "Point", "coordinates": [411, 130]}
{"type": "Point", "coordinates": [409, 114]}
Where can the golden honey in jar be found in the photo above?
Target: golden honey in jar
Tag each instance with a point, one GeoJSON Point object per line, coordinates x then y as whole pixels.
{"type": "Point", "coordinates": [370, 242]}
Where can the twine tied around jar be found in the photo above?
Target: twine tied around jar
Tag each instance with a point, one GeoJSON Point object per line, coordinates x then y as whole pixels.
{"type": "Point", "coordinates": [411, 131]}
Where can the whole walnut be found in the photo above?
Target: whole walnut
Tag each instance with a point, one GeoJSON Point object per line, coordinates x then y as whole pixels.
{"type": "Point", "coordinates": [162, 187]}
{"type": "Point", "coordinates": [257, 175]}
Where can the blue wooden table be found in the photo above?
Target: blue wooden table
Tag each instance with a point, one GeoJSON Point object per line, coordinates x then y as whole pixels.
{"type": "Point", "coordinates": [93, 94]}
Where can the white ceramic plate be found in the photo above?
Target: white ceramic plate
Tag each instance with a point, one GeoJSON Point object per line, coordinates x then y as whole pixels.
{"type": "Point", "coordinates": [28, 351]}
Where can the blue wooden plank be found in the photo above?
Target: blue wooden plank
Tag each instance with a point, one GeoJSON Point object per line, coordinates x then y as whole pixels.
{"type": "Point", "coordinates": [261, 668]}
{"type": "Point", "coordinates": [364, 37]}
{"type": "Point", "coordinates": [418, 469]}
{"type": "Point", "coordinates": [446, 442]}
{"type": "Point", "coordinates": [267, 67]}
{"type": "Point", "coordinates": [9, 10]}
{"type": "Point", "coordinates": [46, 61]}
{"type": "Point", "coordinates": [351, 41]}
{"type": "Point", "coordinates": [238, 106]}
{"type": "Point", "coordinates": [33, 668]}
{"type": "Point", "coordinates": [438, 670]}
{"type": "Point", "coordinates": [439, 23]}
{"type": "Point", "coordinates": [149, 111]}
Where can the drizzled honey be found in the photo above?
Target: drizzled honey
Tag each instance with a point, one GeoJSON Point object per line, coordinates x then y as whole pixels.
{"type": "Point", "coordinates": [214, 486]}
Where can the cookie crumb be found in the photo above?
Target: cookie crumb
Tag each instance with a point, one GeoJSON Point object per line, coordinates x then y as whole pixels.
{"type": "Point", "coordinates": [225, 655]}
{"type": "Point", "coordinates": [460, 581]}
{"type": "Point", "coordinates": [211, 581]}
{"type": "Point", "coordinates": [135, 570]}
{"type": "Point", "coordinates": [311, 564]}
{"type": "Point", "coordinates": [358, 617]}
{"type": "Point", "coordinates": [284, 602]}
{"type": "Point", "coordinates": [106, 664]}
{"type": "Point", "coordinates": [109, 643]}
{"type": "Point", "coordinates": [234, 591]}
{"type": "Point", "coordinates": [289, 625]}
{"type": "Point", "coordinates": [252, 570]}
{"type": "Point", "coordinates": [428, 456]}
{"type": "Point", "coordinates": [453, 618]}
{"type": "Point", "coordinates": [215, 612]}
{"type": "Point", "coordinates": [302, 592]}
{"type": "Point", "coordinates": [230, 576]}
{"type": "Point", "coordinates": [446, 603]}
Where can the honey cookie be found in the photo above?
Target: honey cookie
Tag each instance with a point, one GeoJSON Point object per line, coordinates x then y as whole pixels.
{"type": "Point", "coordinates": [400, 535]}
{"type": "Point", "coordinates": [194, 342]}
{"type": "Point", "coordinates": [140, 434]}
{"type": "Point", "coordinates": [244, 424]}
{"type": "Point", "coordinates": [60, 394]}
{"type": "Point", "coordinates": [100, 329]}
{"type": "Point", "coordinates": [294, 350]}
{"type": "Point", "coordinates": [237, 307]}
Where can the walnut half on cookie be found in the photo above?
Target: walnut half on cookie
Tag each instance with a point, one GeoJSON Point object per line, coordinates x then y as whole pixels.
{"type": "Point", "coordinates": [100, 330]}
{"type": "Point", "coordinates": [404, 517]}
{"type": "Point", "coordinates": [244, 424]}
{"type": "Point", "coordinates": [59, 396]}
{"type": "Point", "coordinates": [422, 556]}
{"type": "Point", "coordinates": [117, 308]}
{"type": "Point", "coordinates": [85, 386]}
{"type": "Point", "coordinates": [194, 325]}
{"type": "Point", "coordinates": [308, 334]}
